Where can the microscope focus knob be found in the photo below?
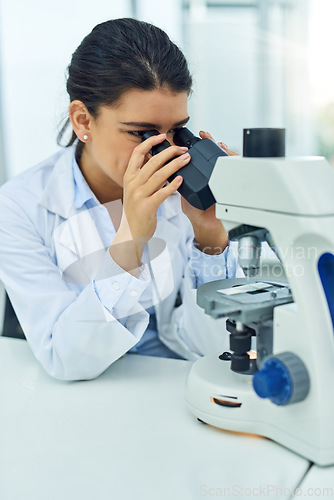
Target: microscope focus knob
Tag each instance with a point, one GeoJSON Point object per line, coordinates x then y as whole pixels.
{"type": "Point", "coordinates": [283, 379]}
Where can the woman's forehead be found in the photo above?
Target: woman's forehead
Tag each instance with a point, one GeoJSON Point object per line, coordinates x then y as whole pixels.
{"type": "Point", "coordinates": [152, 109]}
{"type": "Point", "coordinates": [147, 105]}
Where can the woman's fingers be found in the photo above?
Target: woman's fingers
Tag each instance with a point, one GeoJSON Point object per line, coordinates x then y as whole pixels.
{"type": "Point", "coordinates": [141, 151]}
{"type": "Point", "coordinates": [158, 179]}
{"type": "Point", "coordinates": [207, 135]}
{"type": "Point", "coordinates": [142, 166]}
{"type": "Point", "coordinates": [229, 151]}
{"type": "Point", "coordinates": [162, 194]}
{"type": "Point", "coordinates": [144, 177]}
{"type": "Point", "coordinates": [222, 145]}
{"type": "Point", "coordinates": [157, 162]}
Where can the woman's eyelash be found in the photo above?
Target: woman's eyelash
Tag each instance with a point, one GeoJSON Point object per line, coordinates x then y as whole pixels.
{"type": "Point", "coordinates": [137, 133]}
{"type": "Point", "coordinates": [140, 133]}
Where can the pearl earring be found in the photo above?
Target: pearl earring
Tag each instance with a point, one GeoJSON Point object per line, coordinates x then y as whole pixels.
{"type": "Point", "coordinates": [85, 137]}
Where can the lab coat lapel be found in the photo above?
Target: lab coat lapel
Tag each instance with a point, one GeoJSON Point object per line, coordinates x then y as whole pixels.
{"type": "Point", "coordinates": [76, 238]}
{"type": "Point", "coordinates": [79, 248]}
{"type": "Point", "coordinates": [79, 234]}
{"type": "Point", "coordinates": [58, 195]}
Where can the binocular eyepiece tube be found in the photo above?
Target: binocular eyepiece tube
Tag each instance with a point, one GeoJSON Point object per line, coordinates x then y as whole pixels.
{"type": "Point", "coordinates": [196, 174]}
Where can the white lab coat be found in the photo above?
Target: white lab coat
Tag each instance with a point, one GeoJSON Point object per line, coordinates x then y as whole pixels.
{"type": "Point", "coordinates": [70, 330]}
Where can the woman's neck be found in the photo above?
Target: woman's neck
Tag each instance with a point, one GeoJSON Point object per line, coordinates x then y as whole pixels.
{"type": "Point", "coordinates": [103, 187]}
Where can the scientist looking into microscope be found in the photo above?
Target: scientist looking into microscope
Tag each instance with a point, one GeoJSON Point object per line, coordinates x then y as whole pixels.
{"type": "Point", "coordinates": [98, 253]}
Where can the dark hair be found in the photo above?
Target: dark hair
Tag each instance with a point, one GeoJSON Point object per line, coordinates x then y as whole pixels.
{"type": "Point", "coordinates": [119, 55]}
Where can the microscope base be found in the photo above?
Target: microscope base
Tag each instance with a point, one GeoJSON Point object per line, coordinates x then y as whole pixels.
{"type": "Point", "coordinates": [224, 399]}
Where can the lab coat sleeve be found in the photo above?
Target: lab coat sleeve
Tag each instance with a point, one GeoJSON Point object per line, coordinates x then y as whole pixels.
{"type": "Point", "coordinates": [205, 267]}
{"type": "Point", "coordinates": [117, 290]}
{"type": "Point", "coordinates": [74, 336]}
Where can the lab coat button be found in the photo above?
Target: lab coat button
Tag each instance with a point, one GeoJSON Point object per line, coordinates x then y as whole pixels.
{"type": "Point", "coordinates": [133, 293]}
{"type": "Point", "coordinates": [115, 286]}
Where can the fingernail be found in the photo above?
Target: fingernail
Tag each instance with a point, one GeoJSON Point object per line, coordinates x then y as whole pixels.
{"type": "Point", "coordinates": [185, 156]}
{"type": "Point", "coordinates": [184, 148]}
{"type": "Point", "coordinates": [178, 179]}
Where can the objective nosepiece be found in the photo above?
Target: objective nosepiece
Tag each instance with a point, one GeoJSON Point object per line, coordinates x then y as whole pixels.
{"type": "Point", "coordinates": [249, 253]}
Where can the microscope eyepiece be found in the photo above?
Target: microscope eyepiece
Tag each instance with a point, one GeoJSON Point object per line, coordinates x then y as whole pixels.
{"type": "Point", "coordinates": [184, 137]}
{"type": "Point", "coordinates": [149, 133]}
{"type": "Point", "coordinates": [159, 147]}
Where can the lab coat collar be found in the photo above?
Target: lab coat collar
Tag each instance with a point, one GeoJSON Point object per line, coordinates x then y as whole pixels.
{"type": "Point", "coordinates": [58, 195]}
{"type": "Point", "coordinates": [82, 192]}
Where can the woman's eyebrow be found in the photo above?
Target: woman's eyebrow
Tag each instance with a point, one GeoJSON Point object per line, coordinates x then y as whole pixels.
{"type": "Point", "coordinates": [182, 122]}
{"type": "Point", "coordinates": [154, 125]}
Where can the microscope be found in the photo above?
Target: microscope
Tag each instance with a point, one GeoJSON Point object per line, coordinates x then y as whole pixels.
{"type": "Point", "coordinates": [277, 380]}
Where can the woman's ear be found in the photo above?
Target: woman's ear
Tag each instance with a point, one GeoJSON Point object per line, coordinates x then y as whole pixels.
{"type": "Point", "coordinates": [80, 120]}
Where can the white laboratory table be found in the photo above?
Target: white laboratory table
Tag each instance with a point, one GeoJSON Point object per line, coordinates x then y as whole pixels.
{"type": "Point", "coordinates": [319, 482]}
{"type": "Point", "coordinates": [127, 435]}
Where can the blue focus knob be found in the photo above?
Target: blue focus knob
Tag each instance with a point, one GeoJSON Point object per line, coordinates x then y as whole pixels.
{"type": "Point", "coordinates": [283, 379]}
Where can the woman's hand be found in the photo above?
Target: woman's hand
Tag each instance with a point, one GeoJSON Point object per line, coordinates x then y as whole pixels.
{"type": "Point", "coordinates": [144, 184]}
{"type": "Point", "coordinates": [210, 234]}
{"type": "Point", "coordinates": [144, 189]}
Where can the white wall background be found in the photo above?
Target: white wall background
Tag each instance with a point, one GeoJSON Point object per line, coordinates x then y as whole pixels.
{"type": "Point", "coordinates": [249, 60]}
{"type": "Point", "coordinates": [248, 71]}
{"type": "Point", "coordinates": [166, 15]}
{"type": "Point", "coordinates": [37, 40]}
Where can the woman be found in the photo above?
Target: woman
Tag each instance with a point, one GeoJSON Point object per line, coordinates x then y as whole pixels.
{"type": "Point", "coordinates": [96, 253]}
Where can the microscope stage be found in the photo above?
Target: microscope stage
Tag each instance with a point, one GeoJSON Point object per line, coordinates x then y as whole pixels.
{"type": "Point", "coordinates": [243, 299]}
